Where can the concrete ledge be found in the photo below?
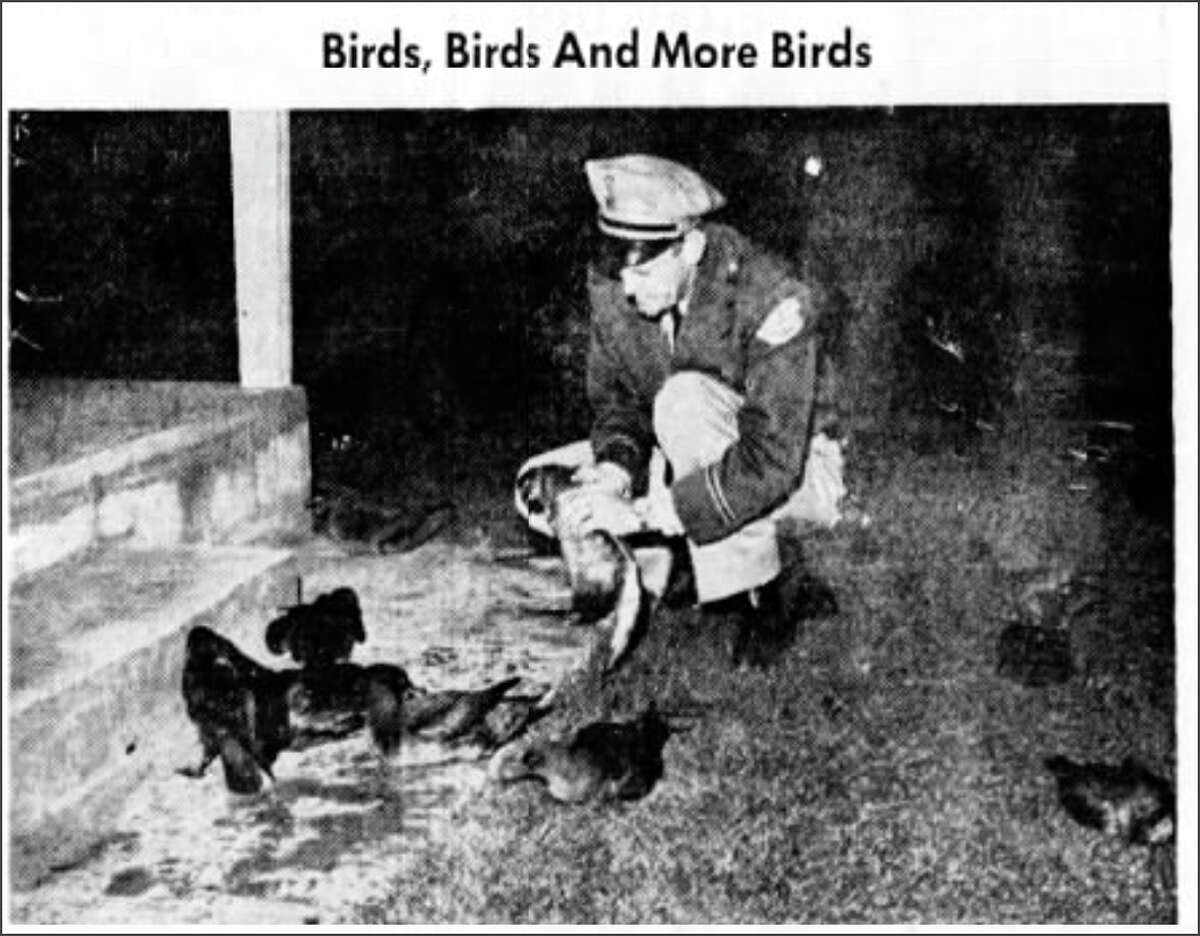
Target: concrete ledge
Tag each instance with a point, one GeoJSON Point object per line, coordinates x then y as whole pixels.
{"type": "Point", "coordinates": [56, 421]}
{"type": "Point", "coordinates": [97, 652]}
{"type": "Point", "coordinates": [233, 467]}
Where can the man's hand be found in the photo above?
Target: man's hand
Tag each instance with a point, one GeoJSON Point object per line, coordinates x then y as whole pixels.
{"type": "Point", "coordinates": [605, 476]}
{"type": "Point", "coordinates": [657, 510]}
{"type": "Point", "coordinates": [587, 509]}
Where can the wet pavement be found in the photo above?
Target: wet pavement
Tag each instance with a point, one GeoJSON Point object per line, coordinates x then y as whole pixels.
{"type": "Point", "coordinates": [326, 838]}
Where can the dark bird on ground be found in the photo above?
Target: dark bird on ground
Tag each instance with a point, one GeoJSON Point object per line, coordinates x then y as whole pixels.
{"type": "Point", "coordinates": [1127, 802]}
{"type": "Point", "coordinates": [239, 708]}
{"type": "Point", "coordinates": [321, 632]}
{"type": "Point", "coordinates": [246, 714]}
{"type": "Point", "coordinates": [349, 517]}
{"type": "Point", "coordinates": [325, 702]}
{"type": "Point", "coordinates": [605, 580]}
{"type": "Point", "coordinates": [331, 702]}
{"type": "Point", "coordinates": [384, 689]}
{"type": "Point", "coordinates": [451, 714]}
{"type": "Point", "coordinates": [510, 717]}
{"type": "Point", "coordinates": [605, 760]}
{"type": "Point", "coordinates": [1033, 655]}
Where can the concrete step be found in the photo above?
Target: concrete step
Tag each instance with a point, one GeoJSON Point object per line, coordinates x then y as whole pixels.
{"type": "Point", "coordinates": [153, 465]}
{"type": "Point", "coordinates": [340, 819]}
{"type": "Point", "coordinates": [95, 659]}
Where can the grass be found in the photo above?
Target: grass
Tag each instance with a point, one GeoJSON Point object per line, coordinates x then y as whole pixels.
{"type": "Point", "coordinates": [881, 772]}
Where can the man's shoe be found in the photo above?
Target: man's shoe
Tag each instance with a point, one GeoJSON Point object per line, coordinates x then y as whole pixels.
{"type": "Point", "coordinates": [763, 629]}
{"type": "Point", "coordinates": [812, 599]}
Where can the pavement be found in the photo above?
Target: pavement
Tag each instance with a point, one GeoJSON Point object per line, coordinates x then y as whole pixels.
{"type": "Point", "coordinates": [325, 841]}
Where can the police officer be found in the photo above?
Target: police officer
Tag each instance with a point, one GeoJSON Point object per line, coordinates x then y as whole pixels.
{"type": "Point", "coordinates": [703, 380]}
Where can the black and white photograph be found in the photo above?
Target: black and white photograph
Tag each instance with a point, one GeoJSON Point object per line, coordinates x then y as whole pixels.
{"type": "Point", "coordinates": [449, 498]}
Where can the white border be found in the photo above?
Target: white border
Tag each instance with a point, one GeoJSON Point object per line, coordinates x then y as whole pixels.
{"type": "Point", "coordinates": [221, 56]}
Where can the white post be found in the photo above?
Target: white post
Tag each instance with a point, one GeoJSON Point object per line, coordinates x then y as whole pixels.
{"type": "Point", "coordinates": [259, 144]}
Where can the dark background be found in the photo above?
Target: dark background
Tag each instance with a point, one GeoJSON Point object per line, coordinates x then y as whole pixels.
{"type": "Point", "coordinates": [438, 257]}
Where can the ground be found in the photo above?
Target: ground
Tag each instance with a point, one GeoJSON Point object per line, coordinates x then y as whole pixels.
{"type": "Point", "coordinates": [881, 772]}
{"type": "Point", "coordinates": [324, 840]}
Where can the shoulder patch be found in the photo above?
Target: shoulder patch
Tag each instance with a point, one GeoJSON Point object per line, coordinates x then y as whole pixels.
{"type": "Point", "coordinates": [783, 323]}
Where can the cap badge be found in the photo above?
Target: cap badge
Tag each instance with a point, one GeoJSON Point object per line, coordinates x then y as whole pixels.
{"type": "Point", "coordinates": [784, 323]}
{"type": "Point", "coordinates": [610, 192]}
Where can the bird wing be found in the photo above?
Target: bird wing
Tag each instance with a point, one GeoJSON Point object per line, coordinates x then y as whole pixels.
{"type": "Point", "coordinates": [628, 755]}
{"type": "Point", "coordinates": [388, 689]}
{"type": "Point", "coordinates": [629, 612]}
{"type": "Point", "coordinates": [570, 774]}
{"type": "Point", "coordinates": [609, 745]}
{"type": "Point", "coordinates": [354, 627]}
{"type": "Point", "coordinates": [238, 706]}
{"type": "Point", "coordinates": [207, 649]}
{"type": "Point", "coordinates": [509, 719]}
{"type": "Point", "coordinates": [216, 676]}
{"type": "Point", "coordinates": [226, 720]}
{"type": "Point", "coordinates": [242, 774]}
{"type": "Point", "coordinates": [326, 702]}
{"type": "Point", "coordinates": [448, 715]}
{"type": "Point", "coordinates": [385, 715]}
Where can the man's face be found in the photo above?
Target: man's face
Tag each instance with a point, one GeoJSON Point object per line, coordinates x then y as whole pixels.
{"type": "Point", "coordinates": [656, 285]}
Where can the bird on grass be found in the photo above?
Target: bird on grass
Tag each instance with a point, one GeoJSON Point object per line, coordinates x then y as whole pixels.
{"type": "Point", "coordinates": [449, 715]}
{"type": "Point", "coordinates": [1127, 802]}
{"type": "Point", "coordinates": [336, 700]}
{"type": "Point", "coordinates": [509, 719]}
{"type": "Point", "coordinates": [321, 632]}
{"type": "Point", "coordinates": [1033, 655]}
{"type": "Point", "coordinates": [605, 580]}
{"type": "Point", "coordinates": [247, 714]}
{"type": "Point", "coordinates": [602, 760]}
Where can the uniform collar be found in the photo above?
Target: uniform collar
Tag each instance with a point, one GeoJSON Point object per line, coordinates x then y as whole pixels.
{"type": "Point", "coordinates": [685, 303]}
{"type": "Point", "coordinates": [700, 275]}
{"type": "Point", "coordinates": [705, 280]}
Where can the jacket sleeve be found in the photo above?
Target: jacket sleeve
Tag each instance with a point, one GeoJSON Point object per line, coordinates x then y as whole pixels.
{"type": "Point", "coordinates": [622, 424]}
{"type": "Point", "coordinates": [766, 463]}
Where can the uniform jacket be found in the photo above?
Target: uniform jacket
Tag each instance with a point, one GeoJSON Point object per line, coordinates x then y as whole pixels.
{"type": "Point", "coordinates": [726, 333]}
